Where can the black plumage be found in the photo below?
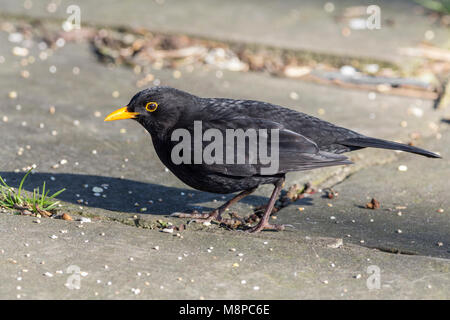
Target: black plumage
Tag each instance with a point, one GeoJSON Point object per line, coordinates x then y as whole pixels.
{"type": "Point", "coordinates": [305, 142]}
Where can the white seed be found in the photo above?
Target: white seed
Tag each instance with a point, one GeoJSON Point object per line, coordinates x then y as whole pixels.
{"type": "Point", "coordinates": [97, 189]}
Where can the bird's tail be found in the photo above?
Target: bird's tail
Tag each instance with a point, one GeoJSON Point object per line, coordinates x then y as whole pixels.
{"type": "Point", "coordinates": [363, 142]}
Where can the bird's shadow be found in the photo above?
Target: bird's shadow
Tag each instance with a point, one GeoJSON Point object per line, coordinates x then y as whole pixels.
{"type": "Point", "coordinates": [124, 195]}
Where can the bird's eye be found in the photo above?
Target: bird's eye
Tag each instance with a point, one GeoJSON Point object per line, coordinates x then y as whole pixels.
{"type": "Point", "coordinates": [151, 106]}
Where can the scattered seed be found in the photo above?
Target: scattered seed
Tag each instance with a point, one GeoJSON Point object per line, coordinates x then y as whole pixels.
{"type": "Point", "coordinates": [97, 190]}
{"type": "Point", "coordinates": [12, 95]}
{"type": "Point", "coordinates": [136, 291]}
{"type": "Point", "coordinates": [294, 95]}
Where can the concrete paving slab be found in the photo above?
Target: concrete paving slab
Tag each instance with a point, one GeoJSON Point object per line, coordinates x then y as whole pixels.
{"type": "Point", "coordinates": [115, 261]}
{"type": "Point", "coordinates": [414, 214]}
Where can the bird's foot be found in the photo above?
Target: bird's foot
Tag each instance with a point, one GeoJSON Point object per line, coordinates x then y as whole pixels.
{"type": "Point", "coordinates": [275, 227]}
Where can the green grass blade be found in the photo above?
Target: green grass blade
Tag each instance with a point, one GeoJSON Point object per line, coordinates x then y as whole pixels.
{"type": "Point", "coordinates": [22, 182]}
{"type": "Point", "coordinates": [56, 194]}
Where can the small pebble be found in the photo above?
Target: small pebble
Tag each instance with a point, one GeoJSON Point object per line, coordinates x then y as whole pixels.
{"type": "Point", "coordinates": [67, 217]}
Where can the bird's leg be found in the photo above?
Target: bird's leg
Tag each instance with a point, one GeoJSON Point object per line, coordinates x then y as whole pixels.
{"type": "Point", "coordinates": [215, 214]}
{"type": "Point", "coordinates": [263, 223]}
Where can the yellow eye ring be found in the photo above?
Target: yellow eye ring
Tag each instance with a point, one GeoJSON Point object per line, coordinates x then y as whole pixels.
{"type": "Point", "coordinates": [151, 106]}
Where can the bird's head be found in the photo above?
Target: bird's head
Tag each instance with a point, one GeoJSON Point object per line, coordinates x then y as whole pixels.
{"type": "Point", "coordinates": [157, 109]}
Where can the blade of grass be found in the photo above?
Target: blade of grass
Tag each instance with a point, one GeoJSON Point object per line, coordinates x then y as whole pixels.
{"type": "Point", "coordinates": [57, 193]}
{"type": "Point", "coordinates": [41, 204]}
{"type": "Point", "coordinates": [22, 182]}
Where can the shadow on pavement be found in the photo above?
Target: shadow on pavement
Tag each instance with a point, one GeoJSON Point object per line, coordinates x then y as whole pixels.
{"type": "Point", "coordinates": [123, 194]}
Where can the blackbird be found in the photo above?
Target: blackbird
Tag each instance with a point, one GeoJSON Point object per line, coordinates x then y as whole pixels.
{"type": "Point", "coordinates": [303, 142]}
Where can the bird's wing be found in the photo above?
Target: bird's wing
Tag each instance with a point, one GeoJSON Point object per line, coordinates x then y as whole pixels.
{"type": "Point", "coordinates": [285, 150]}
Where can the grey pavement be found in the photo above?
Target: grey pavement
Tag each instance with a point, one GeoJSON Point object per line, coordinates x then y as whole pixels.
{"type": "Point", "coordinates": [299, 263]}
{"type": "Point", "coordinates": [277, 266]}
{"type": "Point", "coordinates": [409, 220]}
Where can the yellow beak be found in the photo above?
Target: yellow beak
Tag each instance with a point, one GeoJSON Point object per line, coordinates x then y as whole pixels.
{"type": "Point", "coordinates": [121, 114]}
